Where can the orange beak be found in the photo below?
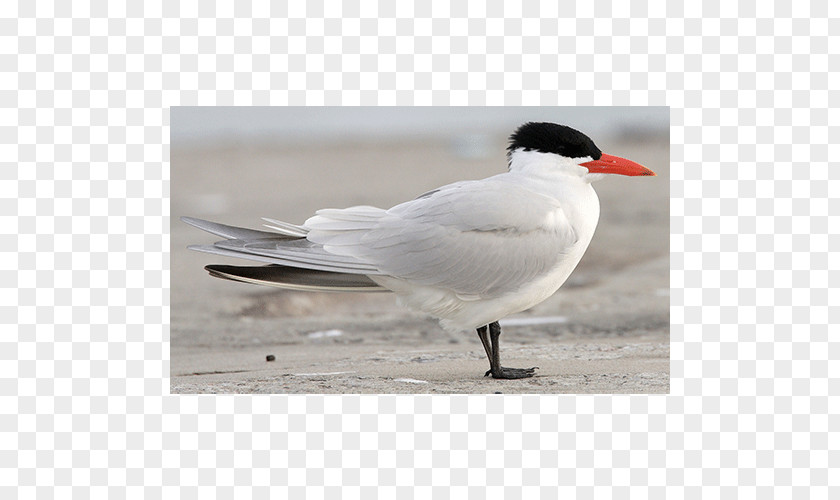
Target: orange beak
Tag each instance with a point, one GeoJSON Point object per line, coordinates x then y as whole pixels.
{"type": "Point", "coordinates": [609, 164]}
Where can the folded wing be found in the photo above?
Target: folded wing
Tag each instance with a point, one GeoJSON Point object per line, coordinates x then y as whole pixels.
{"type": "Point", "coordinates": [477, 239]}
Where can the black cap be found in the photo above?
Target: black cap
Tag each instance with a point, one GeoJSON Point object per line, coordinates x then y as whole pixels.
{"type": "Point", "coordinates": [553, 138]}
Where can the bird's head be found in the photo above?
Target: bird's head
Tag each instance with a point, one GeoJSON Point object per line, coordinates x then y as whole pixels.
{"type": "Point", "coordinates": [572, 147]}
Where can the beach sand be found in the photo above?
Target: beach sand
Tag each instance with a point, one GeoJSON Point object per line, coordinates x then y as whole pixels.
{"type": "Point", "coordinates": [605, 331]}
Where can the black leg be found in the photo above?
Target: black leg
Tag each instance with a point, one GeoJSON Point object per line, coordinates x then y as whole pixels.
{"type": "Point", "coordinates": [496, 368]}
{"type": "Point", "coordinates": [485, 341]}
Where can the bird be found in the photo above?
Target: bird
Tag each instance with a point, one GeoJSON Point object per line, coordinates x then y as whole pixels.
{"type": "Point", "coordinates": [468, 253]}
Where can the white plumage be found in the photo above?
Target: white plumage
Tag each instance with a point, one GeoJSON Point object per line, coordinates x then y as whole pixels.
{"type": "Point", "coordinates": [469, 253]}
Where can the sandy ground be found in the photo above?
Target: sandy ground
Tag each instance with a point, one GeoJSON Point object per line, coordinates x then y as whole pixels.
{"type": "Point", "coordinates": [605, 331]}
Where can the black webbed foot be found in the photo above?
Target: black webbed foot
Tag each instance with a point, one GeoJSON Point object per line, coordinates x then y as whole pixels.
{"type": "Point", "coordinates": [512, 373]}
{"type": "Point", "coordinates": [489, 335]}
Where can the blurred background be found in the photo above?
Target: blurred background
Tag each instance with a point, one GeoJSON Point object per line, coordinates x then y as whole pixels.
{"type": "Point", "coordinates": [202, 125]}
{"type": "Point", "coordinates": [234, 165]}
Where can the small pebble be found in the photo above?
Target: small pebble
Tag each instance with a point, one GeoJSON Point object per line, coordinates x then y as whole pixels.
{"type": "Point", "coordinates": [270, 357]}
{"type": "Point", "coordinates": [497, 392]}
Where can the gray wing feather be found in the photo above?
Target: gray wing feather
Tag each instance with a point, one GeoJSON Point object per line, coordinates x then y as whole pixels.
{"type": "Point", "coordinates": [295, 278]}
{"type": "Point", "coordinates": [301, 253]}
{"type": "Point", "coordinates": [212, 249]}
{"type": "Point", "coordinates": [274, 248]}
{"type": "Point", "coordinates": [230, 232]}
{"type": "Point", "coordinates": [474, 238]}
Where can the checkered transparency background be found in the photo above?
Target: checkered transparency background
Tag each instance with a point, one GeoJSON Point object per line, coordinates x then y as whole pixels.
{"type": "Point", "coordinates": [84, 403]}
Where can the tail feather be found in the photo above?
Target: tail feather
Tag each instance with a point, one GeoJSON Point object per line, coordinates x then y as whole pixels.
{"type": "Point", "coordinates": [290, 248]}
{"type": "Point", "coordinates": [231, 232]}
{"type": "Point", "coordinates": [285, 228]}
{"type": "Point", "coordinates": [352, 214]}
